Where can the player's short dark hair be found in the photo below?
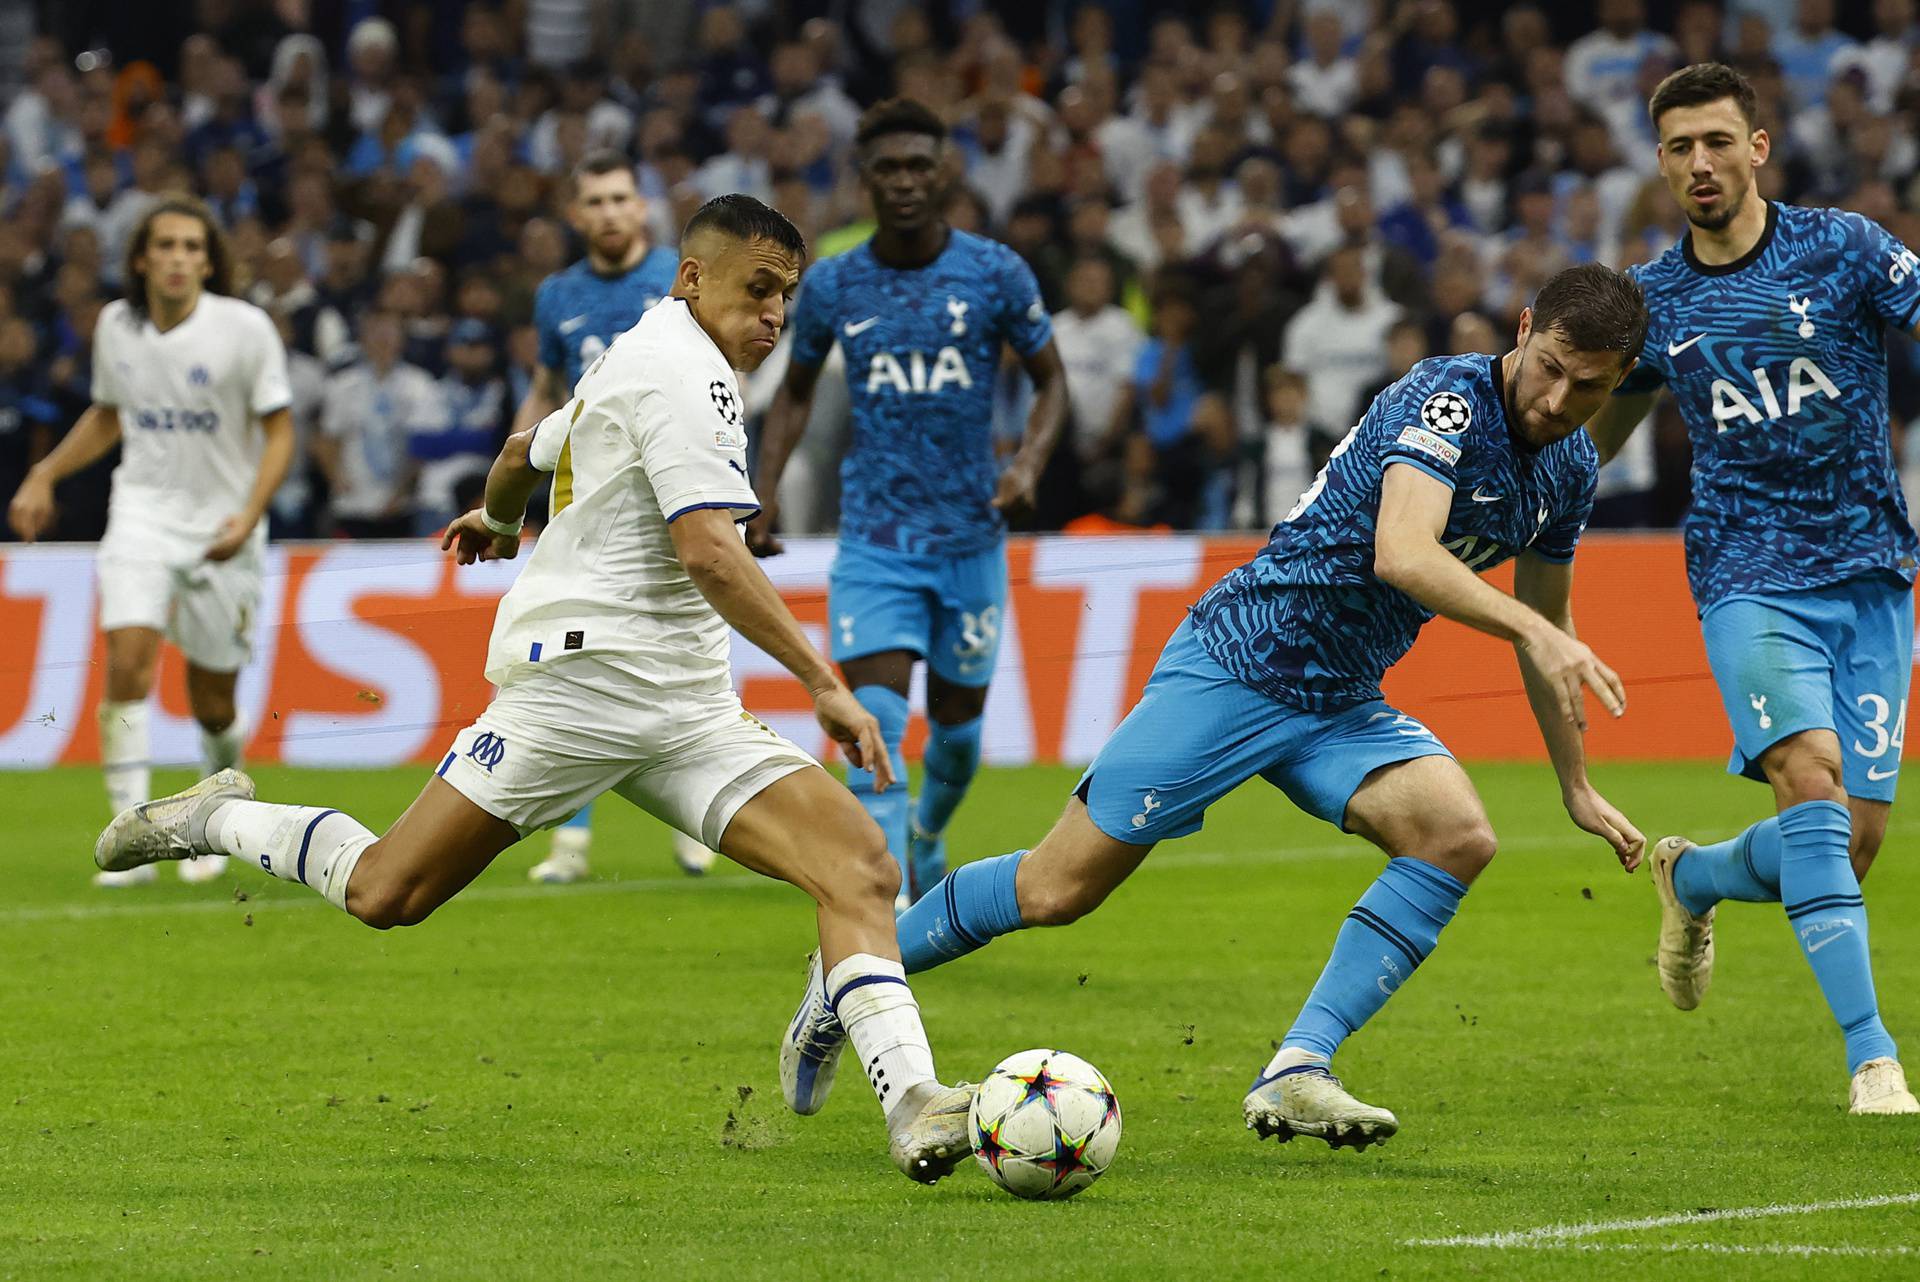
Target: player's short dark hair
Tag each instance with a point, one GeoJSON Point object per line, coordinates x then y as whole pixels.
{"type": "Point", "coordinates": [219, 281]}
{"type": "Point", "coordinates": [899, 116]}
{"type": "Point", "coordinates": [1700, 84]}
{"type": "Point", "coordinates": [744, 218]}
{"type": "Point", "coordinates": [602, 160]}
{"type": "Point", "coordinates": [1595, 308]}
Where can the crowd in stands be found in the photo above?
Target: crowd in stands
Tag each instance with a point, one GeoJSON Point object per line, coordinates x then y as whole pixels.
{"type": "Point", "coordinates": [1247, 219]}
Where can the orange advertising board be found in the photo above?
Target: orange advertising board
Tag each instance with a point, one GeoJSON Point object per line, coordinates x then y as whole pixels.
{"type": "Point", "coordinates": [370, 653]}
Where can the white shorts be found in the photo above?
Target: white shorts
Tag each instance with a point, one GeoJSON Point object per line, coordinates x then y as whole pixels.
{"type": "Point", "coordinates": [207, 608]}
{"type": "Point", "coordinates": [539, 753]}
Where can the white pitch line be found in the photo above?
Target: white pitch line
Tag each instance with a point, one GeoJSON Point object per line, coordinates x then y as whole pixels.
{"type": "Point", "coordinates": [1558, 1234]}
{"type": "Point", "coordinates": [1804, 1250]}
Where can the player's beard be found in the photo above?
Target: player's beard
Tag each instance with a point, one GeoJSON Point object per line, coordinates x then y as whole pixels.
{"type": "Point", "coordinates": [1719, 218]}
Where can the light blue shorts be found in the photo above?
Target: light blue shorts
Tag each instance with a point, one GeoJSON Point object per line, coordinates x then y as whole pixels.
{"type": "Point", "coordinates": [1199, 732]}
{"type": "Point", "coordinates": [1833, 658]}
{"type": "Point", "coordinates": [947, 609]}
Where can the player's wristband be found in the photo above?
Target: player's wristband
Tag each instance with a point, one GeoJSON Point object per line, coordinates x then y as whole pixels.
{"type": "Point", "coordinates": [501, 528]}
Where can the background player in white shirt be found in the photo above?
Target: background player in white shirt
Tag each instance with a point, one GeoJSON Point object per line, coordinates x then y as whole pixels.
{"type": "Point", "coordinates": [182, 374]}
{"type": "Point", "coordinates": [611, 654]}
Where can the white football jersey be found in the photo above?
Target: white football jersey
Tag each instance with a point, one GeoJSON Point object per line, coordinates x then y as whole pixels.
{"type": "Point", "coordinates": [189, 401]}
{"type": "Point", "coordinates": [655, 429]}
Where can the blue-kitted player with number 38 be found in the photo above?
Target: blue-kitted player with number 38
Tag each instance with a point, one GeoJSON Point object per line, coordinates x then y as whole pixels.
{"type": "Point", "coordinates": [1465, 463]}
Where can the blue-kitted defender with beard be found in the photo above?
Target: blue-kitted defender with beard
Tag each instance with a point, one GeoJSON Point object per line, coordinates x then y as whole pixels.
{"type": "Point", "coordinates": [1768, 323]}
{"type": "Point", "coordinates": [1465, 463]}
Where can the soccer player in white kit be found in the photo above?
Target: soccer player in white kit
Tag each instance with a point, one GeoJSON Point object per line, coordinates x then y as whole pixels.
{"type": "Point", "coordinates": [192, 385]}
{"type": "Point", "coordinates": [611, 655]}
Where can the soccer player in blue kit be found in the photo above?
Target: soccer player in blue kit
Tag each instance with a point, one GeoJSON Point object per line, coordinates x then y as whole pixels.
{"type": "Point", "coordinates": [1768, 324]}
{"type": "Point", "coordinates": [921, 312]}
{"type": "Point", "coordinates": [578, 312]}
{"type": "Point", "coordinates": [1465, 463]}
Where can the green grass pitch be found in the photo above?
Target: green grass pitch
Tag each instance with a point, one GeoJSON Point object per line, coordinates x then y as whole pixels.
{"type": "Point", "coordinates": [580, 1082]}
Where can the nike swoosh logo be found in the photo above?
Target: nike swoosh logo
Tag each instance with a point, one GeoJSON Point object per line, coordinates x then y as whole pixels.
{"type": "Point", "coordinates": [1479, 497]}
{"type": "Point", "coordinates": [853, 329]}
{"type": "Point", "coordinates": [1674, 349]}
{"type": "Point", "coordinates": [568, 326]}
{"type": "Point", "coordinates": [1816, 945]}
{"type": "Point", "coordinates": [1876, 774]}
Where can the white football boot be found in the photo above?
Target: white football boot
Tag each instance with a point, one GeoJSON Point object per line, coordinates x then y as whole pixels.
{"type": "Point", "coordinates": [932, 1137]}
{"type": "Point", "coordinates": [1301, 1097]}
{"type": "Point", "coordinates": [144, 875]}
{"type": "Point", "coordinates": [172, 827]}
{"type": "Point", "coordinates": [202, 868]}
{"type": "Point", "coordinates": [1686, 941]}
{"type": "Point", "coordinates": [1881, 1087]}
{"type": "Point", "coordinates": [566, 860]}
{"type": "Point", "coordinates": [810, 1051]}
{"type": "Point", "coordinates": [694, 859]}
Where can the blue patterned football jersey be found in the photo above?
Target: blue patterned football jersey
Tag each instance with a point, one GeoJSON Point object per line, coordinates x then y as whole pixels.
{"type": "Point", "coordinates": [922, 348]}
{"type": "Point", "coordinates": [1306, 621]}
{"type": "Point", "coordinates": [578, 312]}
{"type": "Point", "coordinates": [1778, 364]}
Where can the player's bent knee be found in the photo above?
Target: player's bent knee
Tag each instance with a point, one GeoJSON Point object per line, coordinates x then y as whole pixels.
{"type": "Point", "coordinates": [862, 869]}
{"type": "Point", "coordinates": [1465, 851]}
{"type": "Point", "coordinates": [1808, 776]}
{"type": "Point", "coordinates": [1059, 903]}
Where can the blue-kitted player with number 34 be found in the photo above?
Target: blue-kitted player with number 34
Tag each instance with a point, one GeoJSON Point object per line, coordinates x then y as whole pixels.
{"type": "Point", "coordinates": [1768, 323]}
{"type": "Point", "coordinates": [1465, 463]}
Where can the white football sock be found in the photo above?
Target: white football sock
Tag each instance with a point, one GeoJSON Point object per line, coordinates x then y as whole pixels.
{"type": "Point", "coordinates": [308, 844]}
{"type": "Point", "coordinates": [124, 753]}
{"type": "Point", "coordinates": [882, 1019]}
{"type": "Point", "coordinates": [221, 748]}
{"type": "Point", "coordinates": [571, 841]}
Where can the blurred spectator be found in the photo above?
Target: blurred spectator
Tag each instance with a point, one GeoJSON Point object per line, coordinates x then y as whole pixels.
{"type": "Point", "coordinates": [1099, 345]}
{"type": "Point", "coordinates": [1337, 342]}
{"type": "Point", "coordinates": [1603, 66]}
{"type": "Point", "coordinates": [372, 410]}
{"type": "Point", "coordinates": [1290, 450]}
{"type": "Point", "coordinates": [292, 509]}
{"type": "Point", "coordinates": [28, 416]}
{"type": "Point", "coordinates": [1807, 51]}
{"type": "Point", "coordinates": [477, 415]}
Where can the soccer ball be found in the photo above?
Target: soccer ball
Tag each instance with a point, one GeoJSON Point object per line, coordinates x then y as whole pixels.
{"type": "Point", "coordinates": [1045, 1124]}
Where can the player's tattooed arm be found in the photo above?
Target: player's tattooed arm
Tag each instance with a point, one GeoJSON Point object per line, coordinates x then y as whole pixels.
{"type": "Point", "coordinates": [721, 567]}
{"type": "Point", "coordinates": [780, 431]}
{"type": "Point", "coordinates": [32, 510]}
{"type": "Point", "coordinates": [1407, 555]}
{"type": "Point", "coordinates": [1020, 482]}
{"type": "Point", "coordinates": [275, 457]}
{"type": "Point", "coordinates": [1615, 422]}
{"type": "Point", "coordinates": [1546, 586]}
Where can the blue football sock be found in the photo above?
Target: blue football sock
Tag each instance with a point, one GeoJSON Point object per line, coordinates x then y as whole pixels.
{"type": "Point", "coordinates": [953, 754]}
{"type": "Point", "coordinates": [971, 905]}
{"type": "Point", "coordinates": [1388, 933]}
{"type": "Point", "coordinates": [582, 820]}
{"type": "Point", "coordinates": [1822, 898]}
{"type": "Point", "coordinates": [1746, 868]}
{"type": "Point", "coordinates": [889, 808]}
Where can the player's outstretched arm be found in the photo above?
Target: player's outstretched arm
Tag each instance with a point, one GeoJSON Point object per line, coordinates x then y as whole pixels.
{"type": "Point", "coordinates": [1547, 587]}
{"type": "Point", "coordinates": [1020, 482]}
{"type": "Point", "coordinates": [780, 431]}
{"type": "Point", "coordinates": [275, 457]}
{"type": "Point", "coordinates": [96, 432]}
{"type": "Point", "coordinates": [1407, 555]}
{"type": "Point", "coordinates": [491, 532]}
{"type": "Point", "coordinates": [721, 567]}
{"type": "Point", "coordinates": [1615, 422]}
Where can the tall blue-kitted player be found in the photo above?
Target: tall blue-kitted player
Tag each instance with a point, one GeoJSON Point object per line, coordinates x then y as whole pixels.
{"type": "Point", "coordinates": [1768, 324]}
{"type": "Point", "coordinates": [921, 312]}
{"type": "Point", "coordinates": [1465, 463]}
{"type": "Point", "coordinates": [578, 312]}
